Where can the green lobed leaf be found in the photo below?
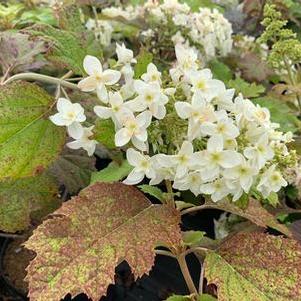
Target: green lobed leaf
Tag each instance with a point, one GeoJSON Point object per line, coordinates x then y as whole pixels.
{"type": "Point", "coordinates": [104, 132]}
{"type": "Point", "coordinates": [29, 141]}
{"type": "Point", "coordinates": [246, 89]}
{"type": "Point", "coordinates": [220, 70]}
{"type": "Point", "coordinates": [80, 246]}
{"type": "Point", "coordinates": [143, 59]}
{"type": "Point", "coordinates": [280, 113]}
{"type": "Point", "coordinates": [192, 238]}
{"type": "Point", "coordinates": [26, 199]}
{"type": "Point", "coordinates": [256, 266]}
{"type": "Point", "coordinates": [114, 172]}
{"type": "Point", "coordinates": [153, 191]}
{"type": "Point", "coordinates": [67, 49]}
{"type": "Point", "coordinates": [206, 297]}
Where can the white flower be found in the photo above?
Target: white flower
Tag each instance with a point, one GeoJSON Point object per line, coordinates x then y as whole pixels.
{"type": "Point", "coordinates": [98, 79]}
{"type": "Point", "coordinates": [224, 126]}
{"type": "Point", "coordinates": [142, 167]}
{"type": "Point", "coordinates": [83, 141]}
{"type": "Point", "coordinates": [152, 74]}
{"type": "Point", "coordinates": [202, 81]}
{"type": "Point", "coordinates": [259, 115]}
{"type": "Point", "coordinates": [134, 129]}
{"type": "Point", "coordinates": [69, 114]}
{"type": "Point", "coordinates": [271, 181]}
{"type": "Point", "coordinates": [182, 161]}
{"type": "Point", "coordinates": [186, 61]}
{"type": "Point", "coordinates": [215, 158]}
{"type": "Point", "coordinates": [125, 56]}
{"type": "Point", "coordinates": [243, 173]}
{"type": "Point", "coordinates": [217, 189]}
{"type": "Point", "coordinates": [149, 96]}
{"type": "Point", "coordinates": [198, 112]}
{"type": "Point", "coordinates": [260, 153]}
{"type": "Point", "coordinates": [192, 181]}
{"type": "Point", "coordinates": [116, 111]}
{"type": "Point", "coordinates": [224, 98]}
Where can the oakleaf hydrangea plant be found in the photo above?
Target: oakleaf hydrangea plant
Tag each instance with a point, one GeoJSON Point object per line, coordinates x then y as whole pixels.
{"type": "Point", "coordinates": [136, 129]}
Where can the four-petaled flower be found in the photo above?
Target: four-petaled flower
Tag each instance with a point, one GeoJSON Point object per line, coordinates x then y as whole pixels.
{"type": "Point", "coordinates": [98, 79]}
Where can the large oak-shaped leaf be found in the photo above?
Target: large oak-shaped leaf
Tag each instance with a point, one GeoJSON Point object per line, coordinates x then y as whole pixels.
{"type": "Point", "coordinates": [25, 200]}
{"type": "Point", "coordinates": [256, 267]}
{"type": "Point", "coordinates": [29, 141]}
{"type": "Point", "coordinates": [79, 248]}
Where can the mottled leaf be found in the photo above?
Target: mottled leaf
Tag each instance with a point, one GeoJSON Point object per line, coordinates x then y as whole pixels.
{"type": "Point", "coordinates": [67, 49]}
{"type": "Point", "coordinates": [104, 132]}
{"type": "Point", "coordinates": [254, 212]}
{"type": "Point", "coordinates": [256, 266]}
{"type": "Point", "coordinates": [29, 141]}
{"type": "Point", "coordinates": [18, 53]}
{"type": "Point", "coordinates": [112, 173]}
{"type": "Point", "coordinates": [26, 200]}
{"type": "Point", "coordinates": [68, 16]}
{"type": "Point", "coordinates": [153, 191]}
{"type": "Point", "coordinates": [80, 246]}
{"type": "Point", "coordinates": [73, 169]}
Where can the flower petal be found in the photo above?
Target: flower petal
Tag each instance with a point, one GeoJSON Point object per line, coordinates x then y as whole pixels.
{"type": "Point", "coordinates": [110, 77]}
{"type": "Point", "coordinates": [88, 84]}
{"type": "Point", "coordinates": [75, 130]}
{"type": "Point", "coordinates": [103, 112]}
{"type": "Point", "coordinates": [183, 109]}
{"type": "Point", "coordinates": [134, 177]}
{"type": "Point", "coordinates": [122, 137]}
{"type": "Point", "coordinates": [134, 157]}
{"type": "Point", "coordinates": [92, 65]}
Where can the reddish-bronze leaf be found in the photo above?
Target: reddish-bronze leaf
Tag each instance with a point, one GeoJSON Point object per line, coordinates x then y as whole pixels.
{"type": "Point", "coordinates": [80, 246]}
{"type": "Point", "coordinates": [256, 267]}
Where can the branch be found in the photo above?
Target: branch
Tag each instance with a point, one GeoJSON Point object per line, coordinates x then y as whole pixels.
{"type": "Point", "coordinates": [30, 76]}
{"type": "Point", "coordinates": [186, 274]}
{"type": "Point", "coordinates": [165, 253]}
{"type": "Point", "coordinates": [196, 208]}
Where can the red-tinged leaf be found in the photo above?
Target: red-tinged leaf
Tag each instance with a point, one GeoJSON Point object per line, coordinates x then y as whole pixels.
{"type": "Point", "coordinates": [18, 53]}
{"type": "Point", "coordinates": [80, 246]}
{"type": "Point", "coordinates": [256, 267]}
{"type": "Point", "coordinates": [253, 68]}
{"type": "Point", "coordinates": [254, 212]}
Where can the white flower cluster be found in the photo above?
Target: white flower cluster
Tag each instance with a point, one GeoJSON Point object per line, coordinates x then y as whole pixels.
{"type": "Point", "coordinates": [239, 142]}
{"type": "Point", "coordinates": [207, 29]}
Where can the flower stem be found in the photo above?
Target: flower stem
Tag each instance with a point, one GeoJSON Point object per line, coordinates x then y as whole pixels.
{"type": "Point", "coordinates": [30, 76]}
{"type": "Point", "coordinates": [186, 274]}
{"type": "Point", "coordinates": [170, 199]}
{"type": "Point", "coordinates": [292, 80]}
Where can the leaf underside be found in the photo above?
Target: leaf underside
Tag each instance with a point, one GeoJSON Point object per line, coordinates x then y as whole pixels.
{"type": "Point", "coordinates": [79, 248]}
{"type": "Point", "coordinates": [29, 142]}
{"type": "Point", "coordinates": [256, 267]}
